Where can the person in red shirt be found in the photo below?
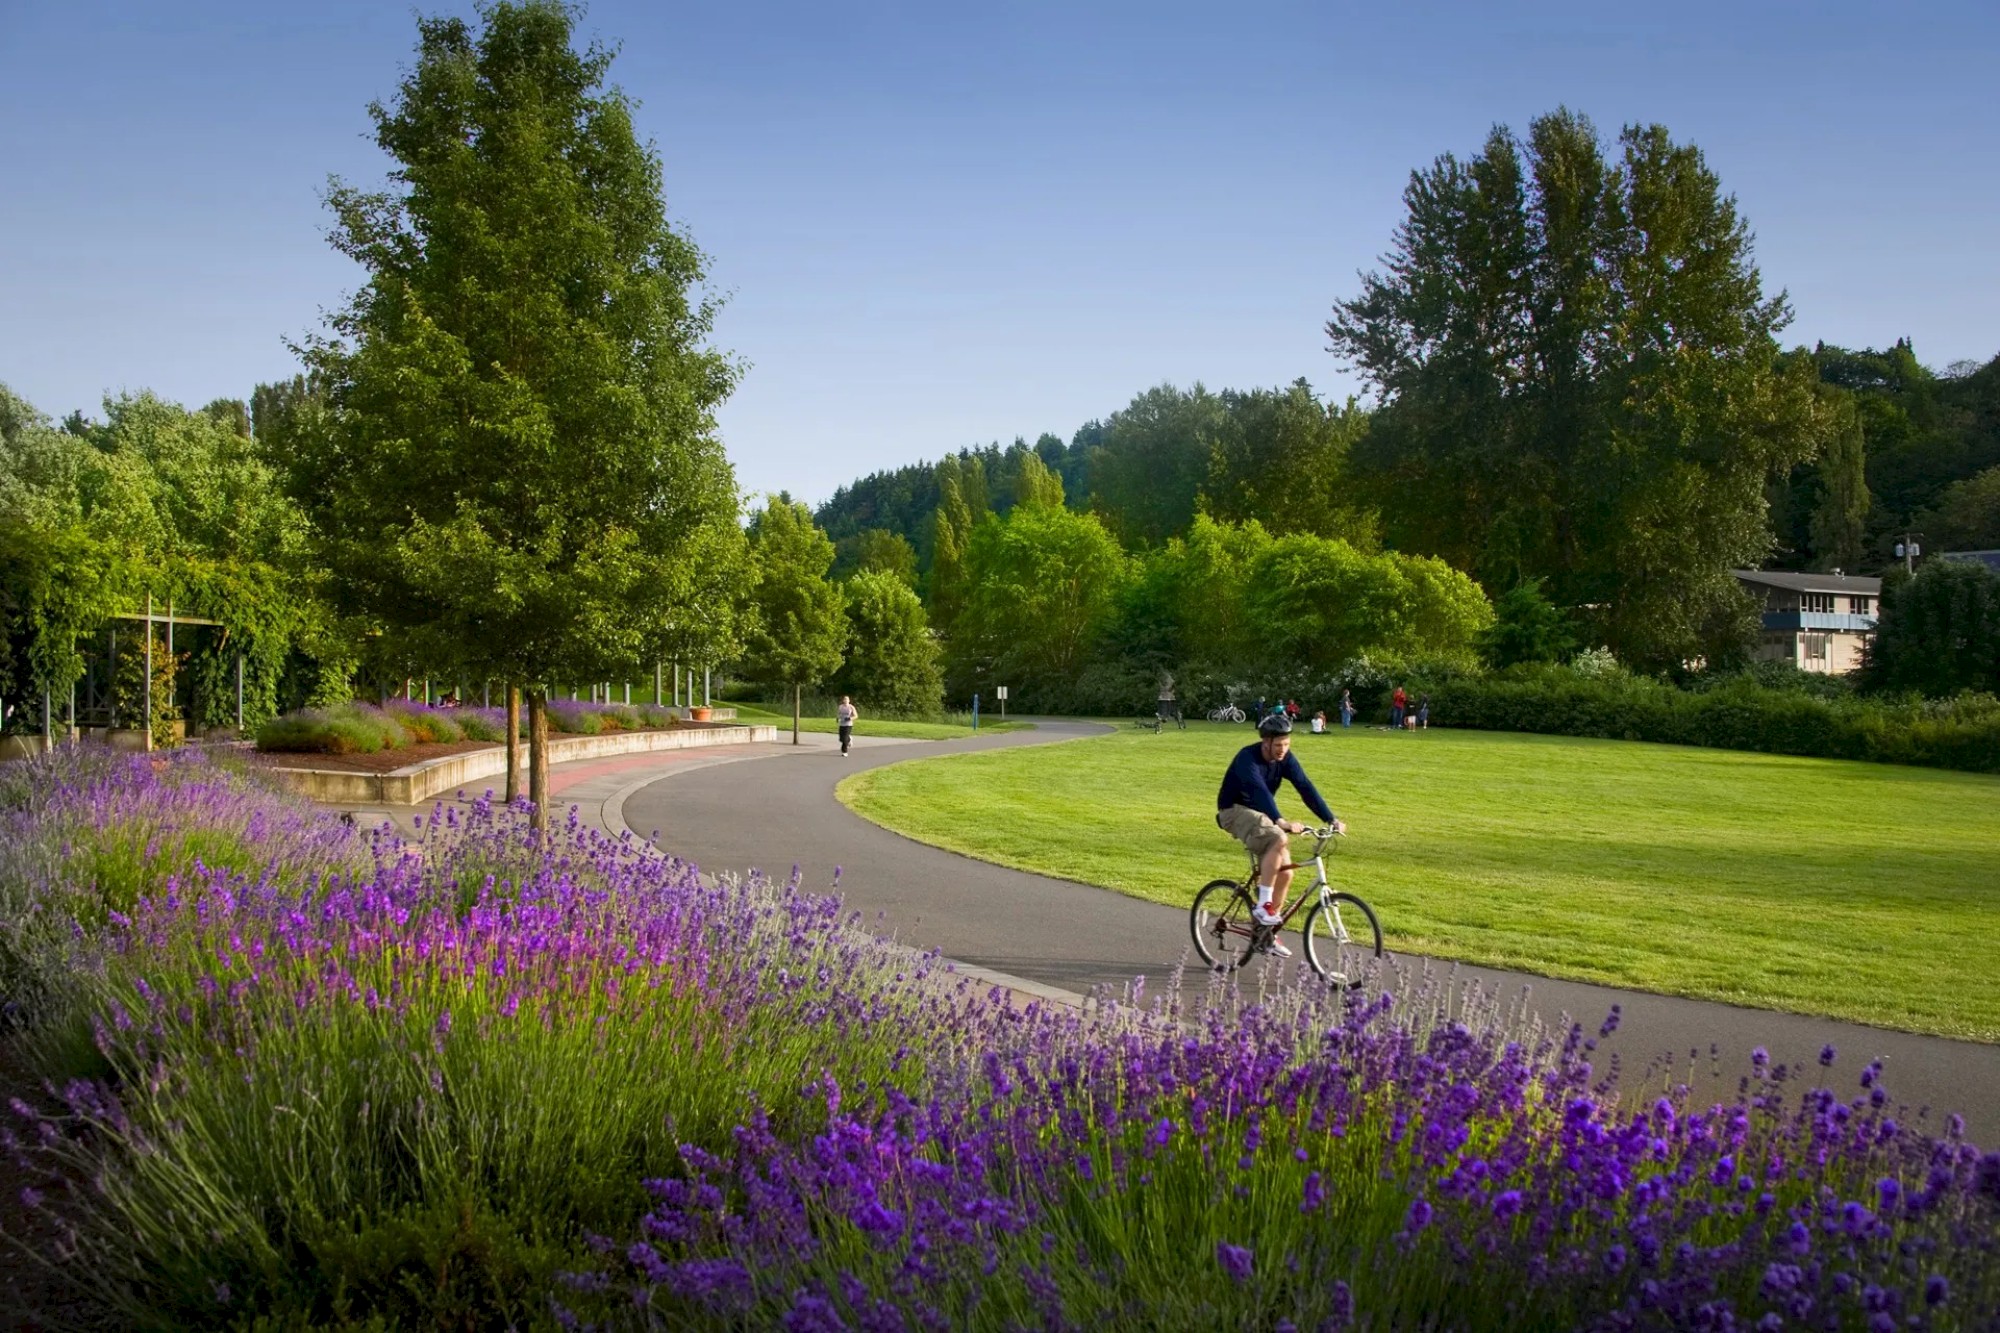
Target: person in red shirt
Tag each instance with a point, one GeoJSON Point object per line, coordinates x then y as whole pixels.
{"type": "Point", "coordinates": [1399, 704]}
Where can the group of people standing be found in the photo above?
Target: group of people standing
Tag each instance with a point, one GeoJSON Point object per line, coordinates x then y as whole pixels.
{"type": "Point", "coordinates": [1401, 715]}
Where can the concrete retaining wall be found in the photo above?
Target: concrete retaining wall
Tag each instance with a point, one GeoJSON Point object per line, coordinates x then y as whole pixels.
{"type": "Point", "coordinates": [420, 782]}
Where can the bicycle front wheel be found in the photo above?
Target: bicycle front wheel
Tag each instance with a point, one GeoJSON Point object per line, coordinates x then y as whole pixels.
{"type": "Point", "coordinates": [1220, 921]}
{"type": "Point", "coordinates": [1343, 939]}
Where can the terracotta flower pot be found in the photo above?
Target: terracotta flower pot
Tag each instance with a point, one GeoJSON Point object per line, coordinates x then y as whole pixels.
{"type": "Point", "coordinates": [699, 712]}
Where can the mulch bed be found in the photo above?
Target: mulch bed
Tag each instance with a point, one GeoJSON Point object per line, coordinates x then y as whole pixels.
{"type": "Point", "coordinates": [384, 761]}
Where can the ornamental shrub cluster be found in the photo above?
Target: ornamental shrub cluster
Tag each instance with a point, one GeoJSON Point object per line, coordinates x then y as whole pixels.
{"type": "Point", "coordinates": [1741, 713]}
{"type": "Point", "coordinates": [484, 1080]}
{"type": "Point", "coordinates": [367, 729]}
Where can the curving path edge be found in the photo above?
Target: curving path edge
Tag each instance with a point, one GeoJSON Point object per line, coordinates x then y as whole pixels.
{"type": "Point", "coordinates": [775, 808]}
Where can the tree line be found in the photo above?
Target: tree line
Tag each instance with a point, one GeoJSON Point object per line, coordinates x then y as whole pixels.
{"type": "Point", "coordinates": [1579, 395]}
{"type": "Point", "coordinates": [501, 460]}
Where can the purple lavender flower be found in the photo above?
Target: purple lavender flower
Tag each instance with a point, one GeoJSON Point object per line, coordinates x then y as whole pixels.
{"type": "Point", "coordinates": [1235, 1260]}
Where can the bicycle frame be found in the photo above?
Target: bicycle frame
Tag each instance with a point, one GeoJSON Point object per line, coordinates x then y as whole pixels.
{"type": "Point", "coordinates": [1320, 887]}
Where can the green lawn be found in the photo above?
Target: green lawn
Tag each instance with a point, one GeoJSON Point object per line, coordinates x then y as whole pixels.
{"type": "Point", "coordinates": [1862, 891]}
{"type": "Point", "coordinates": [868, 726]}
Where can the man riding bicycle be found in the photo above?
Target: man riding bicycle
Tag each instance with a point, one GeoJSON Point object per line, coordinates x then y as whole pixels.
{"type": "Point", "coordinates": [1247, 809]}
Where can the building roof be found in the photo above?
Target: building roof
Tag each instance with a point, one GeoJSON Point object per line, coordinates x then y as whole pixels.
{"type": "Point", "coordinates": [1841, 583]}
{"type": "Point", "coordinates": [1990, 559]}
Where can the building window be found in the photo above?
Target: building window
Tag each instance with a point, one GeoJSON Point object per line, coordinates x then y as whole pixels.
{"type": "Point", "coordinates": [1812, 647]}
{"type": "Point", "coordinates": [1857, 606]}
{"type": "Point", "coordinates": [1820, 602]}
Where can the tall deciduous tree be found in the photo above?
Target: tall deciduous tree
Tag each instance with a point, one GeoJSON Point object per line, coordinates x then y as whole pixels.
{"type": "Point", "coordinates": [520, 426]}
{"type": "Point", "coordinates": [892, 660]}
{"type": "Point", "coordinates": [1041, 584]}
{"type": "Point", "coordinates": [951, 532]}
{"type": "Point", "coordinates": [798, 621]}
{"type": "Point", "coordinates": [878, 551]}
{"type": "Point", "coordinates": [1035, 485]}
{"type": "Point", "coordinates": [1577, 362]}
{"type": "Point", "coordinates": [1150, 462]}
{"type": "Point", "coordinates": [1280, 459]}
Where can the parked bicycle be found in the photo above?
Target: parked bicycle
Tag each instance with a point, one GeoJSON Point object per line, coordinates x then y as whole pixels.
{"type": "Point", "coordinates": [1341, 933]}
{"type": "Point", "coordinates": [1227, 713]}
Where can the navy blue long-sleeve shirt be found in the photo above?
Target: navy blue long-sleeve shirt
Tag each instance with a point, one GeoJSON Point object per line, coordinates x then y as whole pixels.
{"type": "Point", "coordinates": [1253, 780]}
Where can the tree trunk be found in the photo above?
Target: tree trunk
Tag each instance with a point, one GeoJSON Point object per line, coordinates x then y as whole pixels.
{"type": "Point", "coordinates": [538, 763]}
{"type": "Point", "coordinates": [795, 713]}
{"type": "Point", "coordinates": [513, 743]}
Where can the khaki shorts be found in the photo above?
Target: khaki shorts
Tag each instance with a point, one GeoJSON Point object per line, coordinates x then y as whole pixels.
{"type": "Point", "coordinates": [1252, 828]}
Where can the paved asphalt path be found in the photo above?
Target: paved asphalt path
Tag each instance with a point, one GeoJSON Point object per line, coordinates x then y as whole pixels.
{"type": "Point", "coordinates": [772, 807]}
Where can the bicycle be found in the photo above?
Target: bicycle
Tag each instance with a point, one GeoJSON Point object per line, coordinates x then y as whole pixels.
{"type": "Point", "coordinates": [1337, 946]}
{"type": "Point", "coordinates": [1227, 713]}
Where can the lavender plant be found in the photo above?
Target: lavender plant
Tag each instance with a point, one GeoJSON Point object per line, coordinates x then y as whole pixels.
{"type": "Point", "coordinates": [469, 1080]}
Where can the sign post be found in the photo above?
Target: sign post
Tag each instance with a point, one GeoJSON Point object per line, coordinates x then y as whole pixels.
{"type": "Point", "coordinates": [1001, 694]}
{"type": "Point", "coordinates": [975, 712]}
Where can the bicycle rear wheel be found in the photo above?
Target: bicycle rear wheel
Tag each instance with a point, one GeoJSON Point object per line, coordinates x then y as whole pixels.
{"type": "Point", "coordinates": [1220, 922]}
{"type": "Point", "coordinates": [1343, 938]}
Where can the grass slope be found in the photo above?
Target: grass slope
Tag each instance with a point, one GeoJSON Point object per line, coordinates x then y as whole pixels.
{"type": "Point", "coordinates": [868, 726]}
{"type": "Point", "coordinates": [1862, 891]}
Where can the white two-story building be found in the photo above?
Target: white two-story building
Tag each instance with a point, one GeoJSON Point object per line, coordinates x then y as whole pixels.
{"type": "Point", "coordinates": [1817, 622]}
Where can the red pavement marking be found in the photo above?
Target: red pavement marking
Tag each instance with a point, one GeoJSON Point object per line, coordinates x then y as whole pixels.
{"type": "Point", "coordinates": [564, 776]}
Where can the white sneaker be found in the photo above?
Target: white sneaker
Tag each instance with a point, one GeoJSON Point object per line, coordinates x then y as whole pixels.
{"type": "Point", "coordinates": [1264, 918]}
{"type": "Point", "coordinates": [1276, 946]}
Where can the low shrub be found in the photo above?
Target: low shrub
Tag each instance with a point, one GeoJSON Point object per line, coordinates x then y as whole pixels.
{"type": "Point", "coordinates": [576, 719]}
{"type": "Point", "coordinates": [427, 724]}
{"type": "Point", "coordinates": [345, 729]}
{"type": "Point", "coordinates": [483, 724]}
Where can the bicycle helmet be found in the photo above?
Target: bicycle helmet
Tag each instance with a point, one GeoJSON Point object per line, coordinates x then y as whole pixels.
{"type": "Point", "coordinates": [1277, 724]}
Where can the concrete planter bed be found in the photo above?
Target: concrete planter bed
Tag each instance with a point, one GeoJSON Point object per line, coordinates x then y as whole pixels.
{"type": "Point", "coordinates": [421, 781]}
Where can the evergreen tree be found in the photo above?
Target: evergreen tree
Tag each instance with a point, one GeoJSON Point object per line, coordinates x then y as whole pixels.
{"type": "Point", "coordinates": [1580, 381]}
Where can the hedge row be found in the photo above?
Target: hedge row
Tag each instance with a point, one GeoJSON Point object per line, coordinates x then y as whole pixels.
{"type": "Point", "coordinates": [1962, 733]}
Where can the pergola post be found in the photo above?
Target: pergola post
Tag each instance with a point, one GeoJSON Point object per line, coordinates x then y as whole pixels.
{"type": "Point", "coordinates": [704, 686]}
{"type": "Point", "coordinates": [239, 694]}
{"type": "Point", "coordinates": [112, 688]}
{"type": "Point", "coordinates": [48, 727]}
{"type": "Point", "coordinates": [657, 683]}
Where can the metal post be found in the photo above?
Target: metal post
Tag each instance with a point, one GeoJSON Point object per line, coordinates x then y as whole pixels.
{"type": "Point", "coordinates": [658, 683]}
{"type": "Point", "coordinates": [48, 727]}
{"type": "Point", "coordinates": [149, 671]}
{"type": "Point", "coordinates": [427, 691]}
{"type": "Point", "coordinates": [113, 690]}
{"type": "Point", "coordinates": [173, 700]}
{"type": "Point", "coordinates": [486, 694]}
{"type": "Point", "coordinates": [72, 712]}
{"type": "Point", "coordinates": [239, 692]}
{"type": "Point", "coordinates": [677, 684]}
{"type": "Point", "coordinates": [628, 692]}
{"type": "Point", "coordinates": [704, 687]}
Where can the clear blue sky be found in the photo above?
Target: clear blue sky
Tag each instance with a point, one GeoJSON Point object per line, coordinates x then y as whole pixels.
{"type": "Point", "coordinates": [940, 227]}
